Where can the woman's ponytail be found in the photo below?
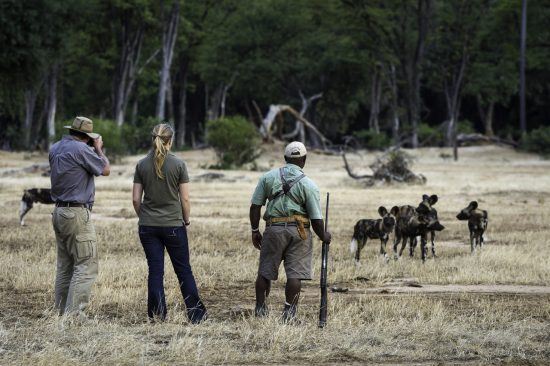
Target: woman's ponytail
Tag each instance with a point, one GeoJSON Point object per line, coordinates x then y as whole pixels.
{"type": "Point", "coordinates": [162, 142]}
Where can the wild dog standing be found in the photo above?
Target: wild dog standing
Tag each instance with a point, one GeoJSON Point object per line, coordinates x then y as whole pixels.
{"type": "Point", "coordinates": [372, 229]}
{"type": "Point", "coordinates": [426, 207]}
{"type": "Point", "coordinates": [477, 223]}
{"type": "Point", "coordinates": [30, 196]}
{"type": "Point", "coordinates": [410, 224]}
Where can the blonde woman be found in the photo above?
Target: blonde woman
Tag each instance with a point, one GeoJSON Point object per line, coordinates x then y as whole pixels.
{"type": "Point", "coordinates": [161, 200]}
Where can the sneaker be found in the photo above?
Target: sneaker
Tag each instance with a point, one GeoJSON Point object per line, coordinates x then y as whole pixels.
{"type": "Point", "coordinates": [261, 311]}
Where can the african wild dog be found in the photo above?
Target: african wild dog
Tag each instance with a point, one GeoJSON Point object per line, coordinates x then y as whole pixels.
{"type": "Point", "coordinates": [30, 196]}
{"type": "Point", "coordinates": [426, 207]}
{"type": "Point", "coordinates": [477, 223]}
{"type": "Point", "coordinates": [372, 229]}
{"type": "Point", "coordinates": [409, 224]}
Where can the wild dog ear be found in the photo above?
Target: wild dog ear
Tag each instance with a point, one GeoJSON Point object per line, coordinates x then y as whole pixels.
{"type": "Point", "coordinates": [433, 199]}
{"type": "Point", "coordinates": [382, 211]}
{"type": "Point", "coordinates": [472, 205]}
{"type": "Point", "coordinates": [394, 210]}
{"type": "Point", "coordinates": [425, 197]}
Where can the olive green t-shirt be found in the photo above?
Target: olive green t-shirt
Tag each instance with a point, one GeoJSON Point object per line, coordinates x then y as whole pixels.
{"type": "Point", "coordinates": [161, 204]}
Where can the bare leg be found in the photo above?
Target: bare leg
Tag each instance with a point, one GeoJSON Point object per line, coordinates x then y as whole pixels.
{"type": "Point", "coordinates": [263, 286]}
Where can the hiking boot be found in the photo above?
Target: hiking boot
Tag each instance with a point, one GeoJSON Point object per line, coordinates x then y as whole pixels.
{"type": "Point", "coordinates": [261, 311]}
{"type": "Point", "coordinates": [289, 315]}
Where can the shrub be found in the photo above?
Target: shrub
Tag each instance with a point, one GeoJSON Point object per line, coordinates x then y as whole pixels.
{"type": "Point", "coordinates": [430, 136]}
{"type": "Point", "coordinates": [372, 140]}
{"type": "Point", "coordinates": [117, 140]}
{"type": "Point", "coordinates": [465, 127]}
{"type": "Point", "coordinates": [537, 141]}
{"type": "Point", "coordinates": [235, 140]}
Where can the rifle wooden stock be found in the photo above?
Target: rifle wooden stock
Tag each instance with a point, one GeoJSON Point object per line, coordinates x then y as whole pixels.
{"type": "Point", "coordinates": [324, 260]}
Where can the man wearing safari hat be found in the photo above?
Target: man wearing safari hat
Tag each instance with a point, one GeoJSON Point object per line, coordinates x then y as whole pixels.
{"type": "Point", "coordinates": [74, 163]}
{"type": "Point", "coordinates": [293, 205]}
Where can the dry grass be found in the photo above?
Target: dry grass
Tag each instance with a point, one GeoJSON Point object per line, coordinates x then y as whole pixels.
{"type": "Point", "coordinates": [374, 327]}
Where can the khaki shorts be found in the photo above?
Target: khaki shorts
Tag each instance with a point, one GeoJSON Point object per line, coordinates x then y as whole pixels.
{"type": "Point", "coordinates": [282, 243]}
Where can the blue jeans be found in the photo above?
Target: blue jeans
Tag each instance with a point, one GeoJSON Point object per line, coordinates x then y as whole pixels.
{"type": "Point", "coordinates": [154, 239]}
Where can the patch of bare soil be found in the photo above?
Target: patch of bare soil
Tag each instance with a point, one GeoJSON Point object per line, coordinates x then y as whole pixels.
{"type": "Point", "coordinates": [412, 286]}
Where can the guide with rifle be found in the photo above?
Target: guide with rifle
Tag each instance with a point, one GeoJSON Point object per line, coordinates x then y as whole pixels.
{"type": "Point", "coordinates": [292, 207]}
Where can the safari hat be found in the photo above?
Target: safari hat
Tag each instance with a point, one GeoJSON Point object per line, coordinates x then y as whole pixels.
{"type": "Point", "coordinates": [84, 125]}
{"type": "Point", "coordinates": [295, 150]}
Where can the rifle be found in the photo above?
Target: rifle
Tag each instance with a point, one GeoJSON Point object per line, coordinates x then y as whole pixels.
{"type": "Point", "coordinates": [324, 260]}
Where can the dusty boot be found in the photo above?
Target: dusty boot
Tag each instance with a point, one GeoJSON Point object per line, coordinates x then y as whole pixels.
{"type": "Point", "coordinates": [289, 314]}
{"type": "Point", "coordinates": [261, 310]}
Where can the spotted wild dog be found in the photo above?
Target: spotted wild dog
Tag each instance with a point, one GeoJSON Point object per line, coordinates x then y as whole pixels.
{"type": "Point", "coordinates": [477, 223]}
{"type": "Point", "coordinates": [372, 229]}
{"type": "Point", "coordinates": [426, 207]}
{"type": "Point", "coordinates": [409, 224]}
{"type": "Point", "coordinates": [30, 196]}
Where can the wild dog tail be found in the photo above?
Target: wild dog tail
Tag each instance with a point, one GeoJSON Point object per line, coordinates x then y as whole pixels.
{"type": "Point", "coordinates": [353, 246]}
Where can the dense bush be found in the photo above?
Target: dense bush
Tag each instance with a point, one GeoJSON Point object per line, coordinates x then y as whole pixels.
{"type": "Point", "coordinates": [372, 140]}
{"type": "Point", "coordinates": [235, 140]}
{"type": "Point", "coordinates": [466, 127]}
{"type": "Point", "coordinates": [430, 136]}
{"type": "Point", "coordinates": [537, 141]}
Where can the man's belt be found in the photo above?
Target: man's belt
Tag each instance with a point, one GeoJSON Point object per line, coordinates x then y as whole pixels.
{"type": "Point", "coordinates": [301, 222]}
{"type": "Point", "coordinates": [73, 204]}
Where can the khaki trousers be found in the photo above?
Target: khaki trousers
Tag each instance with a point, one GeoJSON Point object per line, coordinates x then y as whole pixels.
{"type": "Point", "coordinates": [77, 263]}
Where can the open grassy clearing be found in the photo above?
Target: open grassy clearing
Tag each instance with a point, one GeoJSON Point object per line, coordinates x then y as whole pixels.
{"type": "Point", "coordinates": [369, 323]}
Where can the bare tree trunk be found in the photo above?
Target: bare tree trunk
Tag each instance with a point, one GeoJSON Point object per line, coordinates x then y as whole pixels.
{"type": "Point", "coordinates": [214, 102]}
{"type": "Point", "coordinates": [224, 94]}
{"type": "Point", "coordinates": [374, 124]}
{"type": "Point", "coordinates": [299, 128]}
{"type": "Point", "coordinates": [135, 109]}
{"type": "Point", "coordinates": [488, 122]}
{"type": "Point", "coordinates": [394, 104]}
{"type": "Point", "coordinates": [182, 109]}
{"type": "Point", "coordinates": [523, 41]}
{"type": "Point", "coordinates": [52, 103]}
{"type": "Point", "coordinates": [423, 16]}
{"type": "Point", "coordinates": [169, 101]}
{"type": "Point", "coordinates": [126, 72]}
{"type": "Point", "coordinates": [30, 103]}
{"type": "Point", "coordinates": [168, 42]}
{"type": "Point", "coordinates": [452, 94]}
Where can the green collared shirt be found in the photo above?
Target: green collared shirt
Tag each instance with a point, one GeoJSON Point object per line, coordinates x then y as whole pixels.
{"type": "Point", "coordinates": [303, 198]}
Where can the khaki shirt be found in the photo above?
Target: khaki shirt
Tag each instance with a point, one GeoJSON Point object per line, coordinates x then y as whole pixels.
{"type": "Point", "coordinates": [302, 199]}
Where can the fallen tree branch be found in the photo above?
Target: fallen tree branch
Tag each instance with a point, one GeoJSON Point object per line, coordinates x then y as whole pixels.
{"type": "Point", "coordinates": [350, 173]}
{"type": "Point", "coordinates": [477, 137]}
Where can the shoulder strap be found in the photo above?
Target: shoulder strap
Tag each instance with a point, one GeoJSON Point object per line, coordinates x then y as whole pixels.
{"type": "Point", "coordinates": [287, 186]}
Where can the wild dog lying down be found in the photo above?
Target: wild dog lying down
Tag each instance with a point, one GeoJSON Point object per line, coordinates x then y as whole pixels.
{"type": "Point", "coordinates": [30, 196]}
{"type": "Point", "coordinates": [409, 224]}
{"type": "Point", "coordinates": [477, 223]}
{"type": "Point", "coordinates": [426, 207]}
{"type": "Point", "coordinates": [372, 229]}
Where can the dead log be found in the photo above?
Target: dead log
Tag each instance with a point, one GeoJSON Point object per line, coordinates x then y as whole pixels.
{"type": "Point", "coordinates": [476, 138]}
{"type": "Point", "coordinates": [392, 166]}
{"type": "Point", "coordinates": [351, 173]}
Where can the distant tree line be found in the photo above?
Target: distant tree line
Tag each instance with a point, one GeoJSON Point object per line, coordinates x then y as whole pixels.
{"type": "Point", "coordinates": [412, 72]}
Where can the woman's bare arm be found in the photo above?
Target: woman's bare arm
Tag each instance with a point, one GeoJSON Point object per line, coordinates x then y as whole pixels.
{"type": "Point", "coordinates": [137, 193]}
{"type": "Point", "coordinates": [185, 203]}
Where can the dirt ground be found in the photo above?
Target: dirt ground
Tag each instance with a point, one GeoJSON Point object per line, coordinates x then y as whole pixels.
{"type": "Point", "coordinates": [490, 307]}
